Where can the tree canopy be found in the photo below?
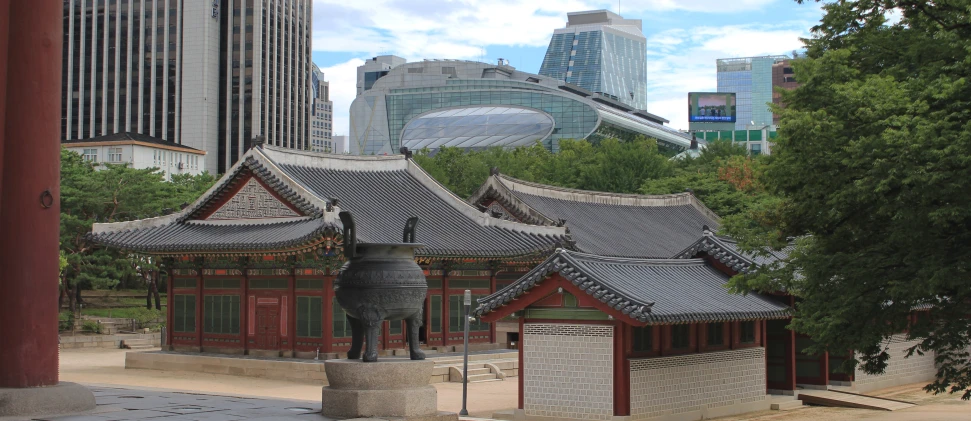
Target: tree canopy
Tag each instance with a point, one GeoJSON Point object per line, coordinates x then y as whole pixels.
{"type": "Point", "coordinates": [115, 193]}
{"type": "Point", "coordinates": [871, 168]}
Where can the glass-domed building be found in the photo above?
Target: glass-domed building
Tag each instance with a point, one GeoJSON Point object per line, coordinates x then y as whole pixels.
{"type": "Point", "coordinates": [436, 103]}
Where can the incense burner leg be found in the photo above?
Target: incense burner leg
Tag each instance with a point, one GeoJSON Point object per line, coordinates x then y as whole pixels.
{"type": "Point", "coordinates": [414, 324]}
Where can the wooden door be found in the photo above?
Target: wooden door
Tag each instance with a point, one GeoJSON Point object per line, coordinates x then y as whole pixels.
{"type": "Point", "coordinates": [267, 327]}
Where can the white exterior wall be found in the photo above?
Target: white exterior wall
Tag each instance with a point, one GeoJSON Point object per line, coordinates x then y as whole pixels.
{"type": "Point", "coordinates": [697, 386]}
{"type": "Point", "coordinates": [142, 157]}
{"type": "Point", "coordinates": [568, 371]}
{"type": "Point", "coordinates": [900, 370]}
{"type": "Point", "coordinates": [200, 81]}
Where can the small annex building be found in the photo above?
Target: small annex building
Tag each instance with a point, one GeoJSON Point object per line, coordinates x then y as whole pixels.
{"type": "Point", "coordinates": [251, 263]}
{"type": "Point", "coordinates": [639, 338]}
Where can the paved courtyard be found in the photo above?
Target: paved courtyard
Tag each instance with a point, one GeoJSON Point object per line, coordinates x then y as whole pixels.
{"type": "Point", "coordinates": [172, 395]}
{"type": "Point", "coordinates": [137, 404]}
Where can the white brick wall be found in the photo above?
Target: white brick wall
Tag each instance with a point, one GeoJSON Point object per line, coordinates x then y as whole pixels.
{"type": "Point", "coordinates": [674, 385]}
{"type": "Point", "coordinates": [568, 371]}
{"type": "Point", "coordinates": [900, 370]}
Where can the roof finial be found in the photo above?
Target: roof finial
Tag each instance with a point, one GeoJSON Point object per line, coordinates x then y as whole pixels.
{"type": "Point", "coordinates": [404, 151]}
{"type": "Point", "coordinates": [258, 141]}
{"type": "Point", "coordinates": [705, 230]}
{"type": "Point", "coordinates": [494, 171]}
{"type": "Point", "coordinates": [690, 191]}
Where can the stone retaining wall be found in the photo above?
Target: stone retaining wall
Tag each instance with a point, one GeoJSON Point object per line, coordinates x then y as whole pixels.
{"type": "Point", "coordinates": [106, 341]}
{"type": "Point", "coordinates": [900, 370]}
{"type": "Point", "coordinates": [698, 386]}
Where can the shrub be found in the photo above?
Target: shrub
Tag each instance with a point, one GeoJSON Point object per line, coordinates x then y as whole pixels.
{"type": "Point", "coordinates": [91, 326]}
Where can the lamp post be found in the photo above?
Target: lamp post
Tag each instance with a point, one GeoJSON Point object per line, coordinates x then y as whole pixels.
{"type": "Point", "coordinates": [465, 359]}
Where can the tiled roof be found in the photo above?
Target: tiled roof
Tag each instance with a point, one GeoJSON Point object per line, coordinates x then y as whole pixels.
{"type": "Point", "coordinates": [653, 291]}
{"type": "Point", "coordinates": [200, 236]}
{"type": "Point", "coordinates": [608, 224]}
{"type": "Point", "coordinates": [726, 250]}
{"type": "Point", "coordinates": [382, 192]}
{"type": "Point", "coordinates": [129, 137]}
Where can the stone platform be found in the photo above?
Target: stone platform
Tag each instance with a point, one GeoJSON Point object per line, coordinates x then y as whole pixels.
{"type": "Point", "coordinates": [63, 398]}
{"type": "Point", "coordinates": [388, 389]}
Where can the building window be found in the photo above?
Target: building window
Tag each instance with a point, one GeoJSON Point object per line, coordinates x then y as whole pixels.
{"type": "Point", "coordinates": [91, 155]}
{"type": "Point", "coordinates": [394, 327]}
{"type": "Point", "coordinates": [680, 336]}
{"type": "Point", "coordinates": [436, 316]}
{"type": "Point", "coordinates": [222, 314]}
{"type": "Point", "coordinates": [310, 317]}
{"type": "Point", "coordinates": [716, 334]}
{"type": "Point", "coordinates": [342, 327]}
{"type": "Point", "coordinates": [756, 149]}
{"type": "Point", "coordinates": [456, 311]}
{"type": "Point", "coordinates": [642, 338]}
{"type": "Point", "coordinates": [184, 317]}
{"type": "Point", "coordinates": [114, 154]}
{"type": "Point", "coordinates": [747, 332]}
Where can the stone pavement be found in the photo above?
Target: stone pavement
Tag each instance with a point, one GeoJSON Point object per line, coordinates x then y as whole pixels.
{"type": "Point", "coordinates": [137, 404]}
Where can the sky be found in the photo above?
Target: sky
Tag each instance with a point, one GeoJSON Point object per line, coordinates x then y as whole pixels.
{"type": "Point", "coordinates": [684, 38]}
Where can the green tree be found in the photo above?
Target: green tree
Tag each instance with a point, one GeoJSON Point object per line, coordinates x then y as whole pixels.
{"type": "Point", "coordinates": [872, 167]}
{"type": "Point", "coordinates": [115, 193]}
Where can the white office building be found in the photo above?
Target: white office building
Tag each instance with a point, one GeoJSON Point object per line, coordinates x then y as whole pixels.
{"type": "Point", "coordinates": [321, 114]}
{"type": "Point", "coordinates": [207, 74]}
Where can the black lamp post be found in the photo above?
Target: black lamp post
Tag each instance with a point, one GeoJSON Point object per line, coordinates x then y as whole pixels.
{"type": "Point", "coordinates": [465, 359]}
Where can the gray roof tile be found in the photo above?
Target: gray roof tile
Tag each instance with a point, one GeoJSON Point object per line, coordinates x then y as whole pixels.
{"type": "Point", "coordinates": [608, 224]}
{"type": "Point", "coordinates": [654, 291]}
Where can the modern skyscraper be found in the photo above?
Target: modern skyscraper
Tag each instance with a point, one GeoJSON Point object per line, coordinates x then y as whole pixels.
{"type": "Point", "coordinates": [321, 115]}
{"type": "Point", "coordinates": [782, 77]}
{"type": "Point", "coordinates": [602, 52]}
{"type": "Point", "coordinates": [750, 78]}
{"type": "Point", "coordinates": [374, 69]}
{"type": "Point", "coordinates": [208, 74]}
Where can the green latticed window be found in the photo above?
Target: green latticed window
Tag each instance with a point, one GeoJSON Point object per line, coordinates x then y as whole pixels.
{"type": "Point", "coordinates": [310, 317]}
{"type": "Point", "coordinates": [746, 332]}
{"type": "Point", "coordinates": [342, 328]}
{"type": "Point", "coordinates": [716, 334]}
{"type": "Point", "coordinates": [221, 314]}
{"type": "Point", "coordinates": [184, 317]}
{"type": "Point", "coordinates": [436, 316]}
{"type": "Point", "coordinates": [642, 338]}
{"type": "Point", "coordinates": [456, 313]}
{"type": "Point", "coordinates": [680, 336]}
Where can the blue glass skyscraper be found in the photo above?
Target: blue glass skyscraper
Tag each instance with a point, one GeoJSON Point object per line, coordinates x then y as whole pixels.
{"type": "Point", "coordinates": [750, 78]}
{"type": "Point", "coordinates": [600, 51]}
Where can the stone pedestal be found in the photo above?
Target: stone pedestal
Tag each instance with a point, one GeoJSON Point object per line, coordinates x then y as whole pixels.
{"type": "Point", "coordinates": [387, 389]}
{"type": "Point", "coordinates": [59, 399]}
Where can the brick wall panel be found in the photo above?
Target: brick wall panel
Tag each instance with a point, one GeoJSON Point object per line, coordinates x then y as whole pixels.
{"type": "Point", "coordinates": [568, 371]}
{"type": "Point", "coordinates": [685, 383]}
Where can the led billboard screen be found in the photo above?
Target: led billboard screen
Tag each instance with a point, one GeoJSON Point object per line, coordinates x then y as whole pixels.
{"type": "Point", "coordinates": [711, 107]}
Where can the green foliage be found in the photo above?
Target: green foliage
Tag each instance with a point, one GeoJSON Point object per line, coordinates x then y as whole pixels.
{"type": "Point", "coordinates": [610, 165]}
{"type": "Point", "coordinates": [703, 175]}
{"type": "Point", "coordinates": [115, 193]}
{"type": "Point", "coordinates": [91, 326]}
{"type": "Point", "coordinates": [65, 320]}
{"type": "Point", "coordinates": [872, 166]}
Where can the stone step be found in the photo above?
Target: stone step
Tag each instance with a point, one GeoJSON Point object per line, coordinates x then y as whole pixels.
{"type": "Point", "coordinates": [786, 405]}
{"type": "Point", "coordinates": [473, 378]}
{"type": "Point", "coordinates": [477, 371]}
{"type": "Point", "coordinates": [141, 346]}
{"type": "Point", "coordinates": [136, 343]}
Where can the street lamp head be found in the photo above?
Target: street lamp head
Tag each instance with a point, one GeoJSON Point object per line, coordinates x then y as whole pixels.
{"type": "Point", "coordinates": [468, 297]}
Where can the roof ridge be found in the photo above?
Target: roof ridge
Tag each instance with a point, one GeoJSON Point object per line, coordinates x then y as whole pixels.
{"type": "Point", "coordinates": [579, 255]}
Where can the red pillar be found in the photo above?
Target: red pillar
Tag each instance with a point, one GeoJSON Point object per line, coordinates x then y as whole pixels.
{"type": "Point", "coordinates": [31, 167]}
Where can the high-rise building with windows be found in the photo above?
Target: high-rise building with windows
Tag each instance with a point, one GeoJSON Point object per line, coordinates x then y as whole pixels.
{"type": "Point", "coordinates": [321, 115]}
{"type": "Point", "coordinates": [750, 78]}
{"type": "Point", "coordinates": [207, 74]}
{"type": "Point", "coordinates": [374, 69]}
{"type": "Point", "coordinates": [602, 52]}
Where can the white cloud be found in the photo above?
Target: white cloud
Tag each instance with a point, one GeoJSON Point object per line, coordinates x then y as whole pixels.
{"type": "Point", "coordinates": [457, 29]}
{"type": "Point", "coordinates": [343, 82]}
{"type": "Point", "coordinates": [684, 61]}
{"type": "Point", "coordinates": [705, 6]}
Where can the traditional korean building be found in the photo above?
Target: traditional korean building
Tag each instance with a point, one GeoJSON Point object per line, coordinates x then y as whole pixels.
{"type": "Point", "coordinates": [251, 263]}
{"type": "Point", "coordinates": [607, 337]}
{"type": "Point", "coordinates": [607, 224]}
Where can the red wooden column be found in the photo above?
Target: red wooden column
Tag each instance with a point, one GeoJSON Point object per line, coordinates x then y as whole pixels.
{"type": "Point", "coordinates": [30, 194]}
